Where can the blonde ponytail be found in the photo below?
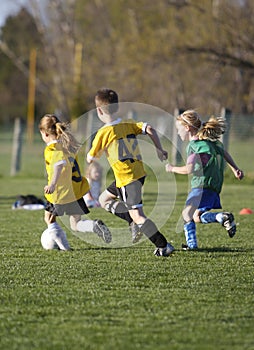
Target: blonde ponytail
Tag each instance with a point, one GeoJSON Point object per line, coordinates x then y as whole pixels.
{"type": "Point", "coordinates": [53, 126]}
{"type": "Point", "coordinates": [212, 129]}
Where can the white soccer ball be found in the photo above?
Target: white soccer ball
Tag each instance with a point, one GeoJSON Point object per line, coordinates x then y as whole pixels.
{"type": "Point", "coordinates": [47, 241]}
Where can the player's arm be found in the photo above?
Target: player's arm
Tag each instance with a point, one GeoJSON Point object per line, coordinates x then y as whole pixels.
{"type": "Point", "coordinates": [90, 157]}
{"type": "Point", "coordinates": [97, 149]}
{"type": "Point", "coordinates": [237, 172]}
{"type": "Point", "coordinates": [151, 132]}
{"type": "Point", "coordinates": [183, 170]}
{"type": "Point", "coordinates": [50, 188]}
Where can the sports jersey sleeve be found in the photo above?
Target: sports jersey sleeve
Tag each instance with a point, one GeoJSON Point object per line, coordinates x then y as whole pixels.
{"type": "Point", "coordinates": [141, 126]}
{"type": "Point", "coordinates": [97, 146]}
{"type": "Point", "coordinates": [191, 158]}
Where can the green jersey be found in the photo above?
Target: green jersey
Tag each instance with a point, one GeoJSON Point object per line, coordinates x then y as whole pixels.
{"type": "Point", "coordinates": [207, 158]}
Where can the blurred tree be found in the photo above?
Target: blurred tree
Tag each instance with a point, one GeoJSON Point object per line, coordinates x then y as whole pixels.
{"type": "Point", "coordinates": [16, 42]}
{"type": "Point", "coordinates": [168, 53]}
{"type": "Point", "coordinates": [225, 42]}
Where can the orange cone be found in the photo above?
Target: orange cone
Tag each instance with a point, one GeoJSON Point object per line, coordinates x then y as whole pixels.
{"type": "Point", "coordinates": [245, 211]}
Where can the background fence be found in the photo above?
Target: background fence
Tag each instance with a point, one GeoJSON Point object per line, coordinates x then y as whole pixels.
{"type": "Point", "coordinates": [19, 156]}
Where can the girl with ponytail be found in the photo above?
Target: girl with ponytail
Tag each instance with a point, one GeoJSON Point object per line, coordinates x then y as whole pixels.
{"type": "Point", "coordinates": [206, 158]}
{"type": "Point", "coordinates": [66, 186]}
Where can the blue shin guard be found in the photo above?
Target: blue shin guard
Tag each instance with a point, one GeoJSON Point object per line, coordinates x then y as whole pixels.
{"type": "Point", "coordinates": [208, 217]}
{"type": "Point", "coordinates": [190, 234]}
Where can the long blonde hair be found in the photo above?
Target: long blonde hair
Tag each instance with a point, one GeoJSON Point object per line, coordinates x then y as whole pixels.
{"type": "Point", "coordinates": [51, 125]}
{"type": "Point", "coordinates": [210, 130]}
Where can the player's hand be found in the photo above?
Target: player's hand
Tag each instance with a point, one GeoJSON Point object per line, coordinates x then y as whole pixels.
{"type": "Point", "coordinates": [162, 154]}
{"type": "Point", "coordinates": [239, 174]}
{"type": "Point", "coordinates": [49, 189]}
{"type": "Point", "coordinates": [168, 168]}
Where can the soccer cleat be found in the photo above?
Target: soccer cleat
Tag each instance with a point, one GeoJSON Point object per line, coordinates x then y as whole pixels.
{"type": "Point", "coordinates": [229, 224]}
{"type": "Point", "coordinates": [187, 248]}
{"type": "Point", "coordinates": [135, 232]}
{"type": "Point", "coordinates": [102, 231]}
{"type": "Point", "coordinates": [166, 251]}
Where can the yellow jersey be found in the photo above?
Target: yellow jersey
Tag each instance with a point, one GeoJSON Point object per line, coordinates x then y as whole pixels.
{"type": "Point", "coordinates": [118, 141]}
{"type": "Point", "coordinates": [71, 185]}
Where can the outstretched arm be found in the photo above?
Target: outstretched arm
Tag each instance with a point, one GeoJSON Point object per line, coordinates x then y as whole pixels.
{"type": "Point", "coordinates": [162, 154]}
{"type": "Point", "coordinates": [237, 172]}
{"type": "Point", "coordinates": [184, 170]}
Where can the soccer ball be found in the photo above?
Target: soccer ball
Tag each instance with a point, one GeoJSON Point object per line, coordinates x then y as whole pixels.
{"type": "Point", "coordinates": [47, 241]}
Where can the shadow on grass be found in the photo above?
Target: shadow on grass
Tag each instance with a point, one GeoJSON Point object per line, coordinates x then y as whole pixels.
{"type": "Point", "coordinates": [144, 248]}
{"type": "Point", "coordinates": [223, 250]}
{"type": "Point", "coordinates": [110, 248]}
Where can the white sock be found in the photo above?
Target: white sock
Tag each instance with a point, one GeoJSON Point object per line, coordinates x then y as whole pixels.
{"type": "Point", "coordinates": [219, 217]}
{"type": "Point", "coordinates": [61, 241]}
{"type": "Point", "coordinates": [54, 225]}
{"type": "Point", "coordinates": [85, 226]}
{"type": "Point", "coordinates": [56, 233]}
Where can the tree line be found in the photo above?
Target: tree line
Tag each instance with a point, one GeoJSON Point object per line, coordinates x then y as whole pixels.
{"type": "Point", "coordinates": [169, 53]}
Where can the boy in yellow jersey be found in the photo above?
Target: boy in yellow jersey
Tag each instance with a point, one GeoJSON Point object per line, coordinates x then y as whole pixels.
{"type": "Point", "coordinates": [66, 187]}
{"type": "Point", "coordinates": [118, 139]}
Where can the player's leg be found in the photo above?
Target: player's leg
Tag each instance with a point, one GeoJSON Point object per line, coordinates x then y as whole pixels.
{"type": "Point", "coordinates": [87, 225]}
{"type": "Point", "coordinates": [147, 227]}
{"type": "Point", "coordinates": [205, 217]}
{"type": "Point", "coordinates": [81, 225]}
{"type": "Point", "coordinates": [196, 215]}
{"type": "Point", "coordinates": [78, 208]}
{"type": "Point", "coordinates": [54, 230]}
{"type": "Point", "coordinates": [132, 196]}
{"type": "Point", "coordinates": [190, 227]}
{"type": "Point", "coordinates": [49, 218]}
{"type": "Point", "coordinates": [110, 201]}
{"type": "Point", "coordinates": [226, 219]}
{"type": "Point", "coordinates": [211, 200]}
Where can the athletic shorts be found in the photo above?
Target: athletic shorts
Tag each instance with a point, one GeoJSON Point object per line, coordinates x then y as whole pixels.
{"type": "Point", "coordinates": [203, 199]}
{"type": "Point", "coordinates": [74, 208]}
{"type": "Point", "coordinates": [130, 194]}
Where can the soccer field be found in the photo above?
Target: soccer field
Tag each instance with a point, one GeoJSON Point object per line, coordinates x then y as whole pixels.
{"type": "Point", "coordinates": [124, 297]}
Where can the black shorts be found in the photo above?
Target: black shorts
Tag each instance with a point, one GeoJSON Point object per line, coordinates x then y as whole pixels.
{"type": "Point", "coordinates": [74, 208]}
{"type": "Point", "coordinates": [130, 194]}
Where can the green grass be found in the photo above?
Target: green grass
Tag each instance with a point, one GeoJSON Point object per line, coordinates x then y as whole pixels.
{"type": "Point", "coordinates": [125, 298]}
{"type": "Point", "coordinates": [97, 298]}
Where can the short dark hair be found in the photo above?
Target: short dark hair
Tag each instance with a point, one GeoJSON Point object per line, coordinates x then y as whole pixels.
{"type": "Point", "coordinates": [107, 99]}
